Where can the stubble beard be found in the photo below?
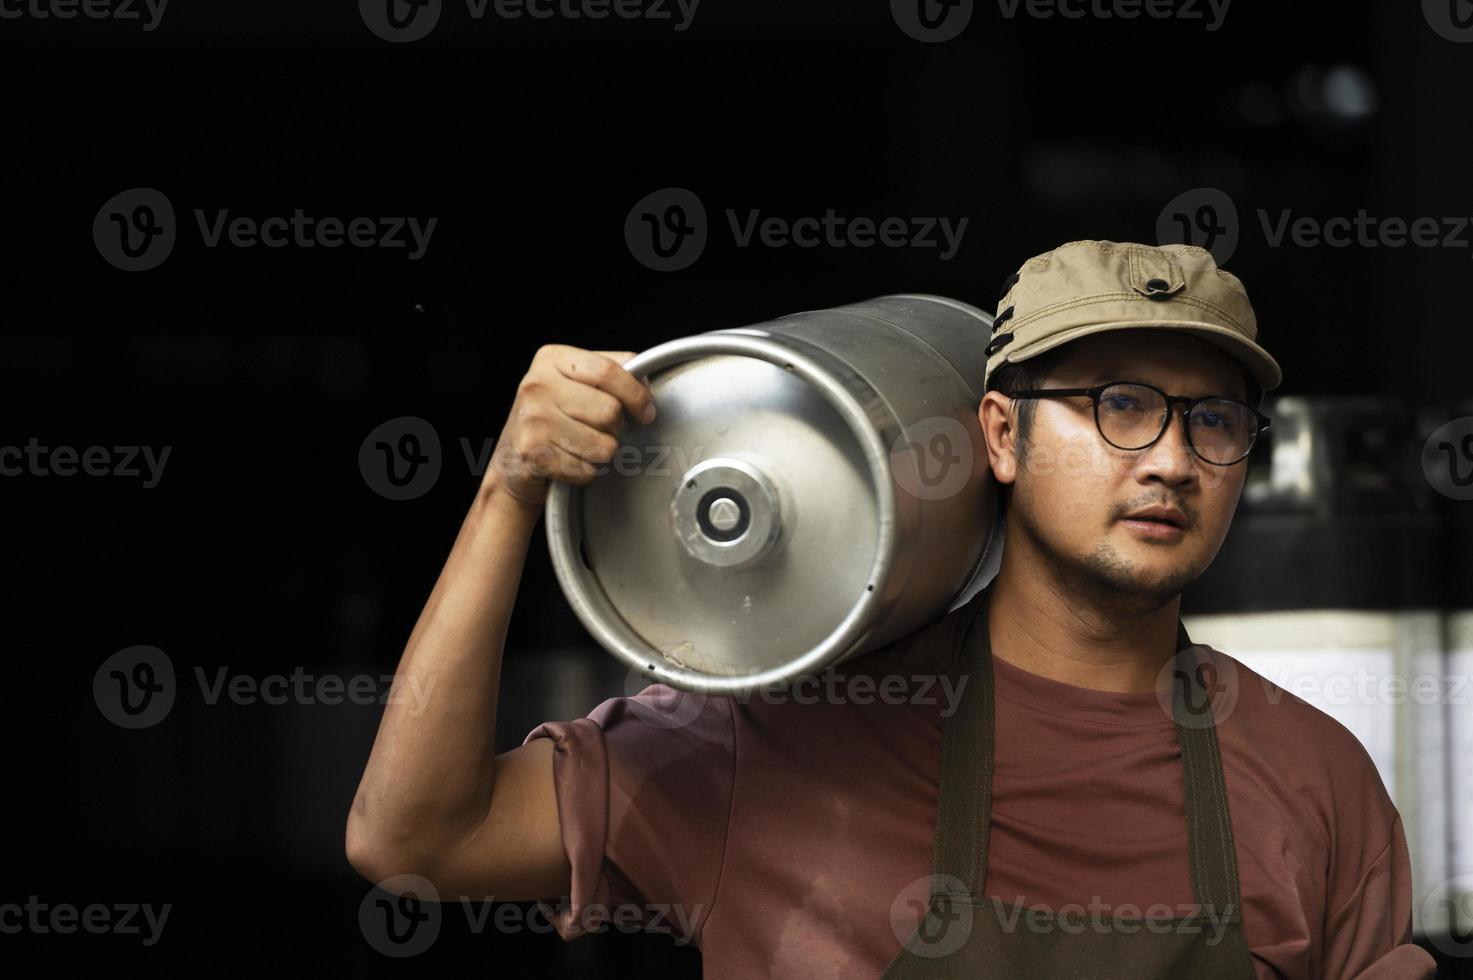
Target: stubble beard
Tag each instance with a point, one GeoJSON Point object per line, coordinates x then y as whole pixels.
{"type": "Point", "coordinates": [1105, 579]}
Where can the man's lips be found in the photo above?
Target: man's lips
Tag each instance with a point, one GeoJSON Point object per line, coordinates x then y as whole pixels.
{"type": "Point", "coordinates": [1159, 514]}
{"type": "Point", "coordinates": [1157, 523]}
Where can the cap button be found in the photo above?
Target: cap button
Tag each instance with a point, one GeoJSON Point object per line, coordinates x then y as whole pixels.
{"type": "Point", "coordinates": [1158, 286]}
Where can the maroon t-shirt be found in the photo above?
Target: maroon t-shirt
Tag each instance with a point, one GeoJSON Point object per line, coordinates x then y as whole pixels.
{"type": "Point", "coordinates": [789, 834]}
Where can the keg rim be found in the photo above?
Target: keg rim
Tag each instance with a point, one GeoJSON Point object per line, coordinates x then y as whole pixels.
{"type": "Point", "coordinates": [592, 607]}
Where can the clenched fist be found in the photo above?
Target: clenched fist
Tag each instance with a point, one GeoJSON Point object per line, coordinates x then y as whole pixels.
{"type": "Point", "coordinates": [566, 419]}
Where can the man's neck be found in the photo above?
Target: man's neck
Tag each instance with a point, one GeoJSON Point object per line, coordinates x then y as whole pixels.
{"type": "Point", "coordinates": [1036, 625]}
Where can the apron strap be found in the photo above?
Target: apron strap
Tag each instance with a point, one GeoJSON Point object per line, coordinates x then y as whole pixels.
{"type": "Point", "coordinates": [964, 808]}
{"type": "Point", "coordinates": [1210, 850]}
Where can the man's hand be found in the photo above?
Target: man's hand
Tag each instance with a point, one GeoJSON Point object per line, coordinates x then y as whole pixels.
{"type": "Point", "coordinates": [569, 410]}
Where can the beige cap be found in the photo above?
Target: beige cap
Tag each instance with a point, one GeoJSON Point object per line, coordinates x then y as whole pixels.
{"type": "Point", "coordinates": [1089, 287]}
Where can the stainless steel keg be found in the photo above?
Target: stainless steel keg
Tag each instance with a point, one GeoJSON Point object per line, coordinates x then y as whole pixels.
{"type": "Point", "coordinates": [812, 488]}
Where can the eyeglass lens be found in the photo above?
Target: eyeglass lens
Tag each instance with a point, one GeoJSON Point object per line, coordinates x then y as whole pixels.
{"type": "Point", "coordinates": [1133, 416]}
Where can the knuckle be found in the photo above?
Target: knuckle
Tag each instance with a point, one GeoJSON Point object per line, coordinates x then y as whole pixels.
{"type": "Point", "coordinates": [610, 411]}
{"type": "Point", "coordinates": [602, 449]}
{"type": "Point", "coordinates": [607, 370]}
{"type": "Point", "coordinates": [529, 446]}
{"type": "Point", "coordinates": [534, 428]}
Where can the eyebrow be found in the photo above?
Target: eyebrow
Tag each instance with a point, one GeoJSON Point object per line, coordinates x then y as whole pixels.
{"type": "Point", "coordinates": [1118, 374]}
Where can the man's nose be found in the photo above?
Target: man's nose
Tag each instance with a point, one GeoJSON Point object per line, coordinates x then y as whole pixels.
{"type": "Point", "coordinates": [1171, 457]}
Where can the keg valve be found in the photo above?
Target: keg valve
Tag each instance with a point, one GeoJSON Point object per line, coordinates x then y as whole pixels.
{"type": "Point", "coordinates": [725, 512]}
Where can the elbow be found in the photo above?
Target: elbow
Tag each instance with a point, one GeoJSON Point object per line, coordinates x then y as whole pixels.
{"type": "Point", "coordinates": [375, 854]}
{"type": "Point", "coordinates": [391, 861]}
{"type": "Point", "coordinates": [366, 853]}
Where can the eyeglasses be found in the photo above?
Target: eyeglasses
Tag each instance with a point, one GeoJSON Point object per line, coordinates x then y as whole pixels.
{"type": "Point", "coordinates": [1132, 415]}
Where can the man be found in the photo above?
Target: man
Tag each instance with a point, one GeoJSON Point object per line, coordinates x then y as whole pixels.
{"type": "Point", "coordinates": [1112, 799]}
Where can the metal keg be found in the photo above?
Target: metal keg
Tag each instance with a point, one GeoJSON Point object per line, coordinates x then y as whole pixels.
{"type": "Point", "coordinates": [813, 488]}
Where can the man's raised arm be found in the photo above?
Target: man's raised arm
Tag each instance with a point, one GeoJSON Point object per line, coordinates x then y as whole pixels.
{"type": "Point", "coordinates": [435, 799]}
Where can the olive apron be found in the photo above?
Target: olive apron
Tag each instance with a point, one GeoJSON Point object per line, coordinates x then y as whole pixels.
{"type": "Point", "coordinates": [966, 933]}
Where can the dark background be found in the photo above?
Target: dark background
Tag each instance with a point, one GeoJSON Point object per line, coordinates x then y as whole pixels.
{"type": "Point", "coordinates": [263, 550]}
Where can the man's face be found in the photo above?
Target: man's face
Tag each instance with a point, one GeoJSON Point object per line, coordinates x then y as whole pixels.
{"type": "Point", "coordinates": [1072, 490]}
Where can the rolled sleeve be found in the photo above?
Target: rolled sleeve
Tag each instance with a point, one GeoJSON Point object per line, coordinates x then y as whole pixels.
{"type": "Point", "coordinates": [644, 797]}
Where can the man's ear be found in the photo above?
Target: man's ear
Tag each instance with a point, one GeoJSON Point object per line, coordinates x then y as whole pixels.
{"type": "Point", "coordinates": [1000, 429]}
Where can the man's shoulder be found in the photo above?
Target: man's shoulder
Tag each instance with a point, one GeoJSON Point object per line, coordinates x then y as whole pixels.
{"type": "Point", "coordinates": [1274, 721]}
{"type": "Point", "coordinates": [930, 646]}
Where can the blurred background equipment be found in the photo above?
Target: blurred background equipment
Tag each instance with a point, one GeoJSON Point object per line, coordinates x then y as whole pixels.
{"type": "Point", "coordinates": [1458, 640]}
{"type": "Point", "coordinates": [1330, 584]}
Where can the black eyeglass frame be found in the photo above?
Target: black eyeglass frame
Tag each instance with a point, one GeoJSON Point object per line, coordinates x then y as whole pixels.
{"type": "Point", "coordinates": [1094, 392]}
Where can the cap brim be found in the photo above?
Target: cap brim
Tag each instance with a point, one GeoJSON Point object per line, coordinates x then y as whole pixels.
{"type": "Point", "coordinates": [1260, 363]}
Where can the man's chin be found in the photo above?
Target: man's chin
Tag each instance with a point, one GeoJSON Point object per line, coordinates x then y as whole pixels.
{"type": "Point", "coordinates": [1165, 583]}
{"type": "Point", "coordinates": [1151, 574]}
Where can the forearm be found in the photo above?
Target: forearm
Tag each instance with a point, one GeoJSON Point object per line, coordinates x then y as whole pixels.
{"type": "Point", "coordinates": [430, 775]}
